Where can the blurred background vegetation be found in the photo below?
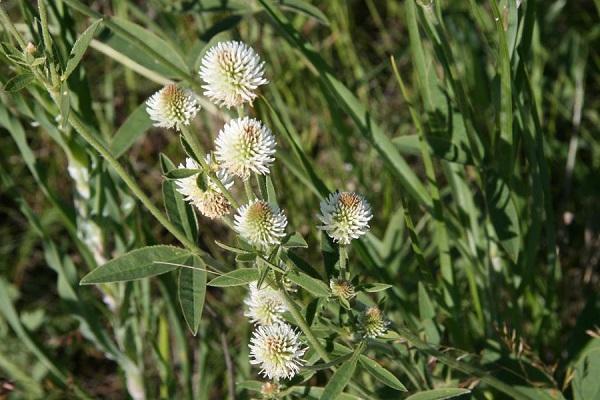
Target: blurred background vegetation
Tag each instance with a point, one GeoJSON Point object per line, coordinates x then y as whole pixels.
{"type": "Point", "coordinates": [510, 305]}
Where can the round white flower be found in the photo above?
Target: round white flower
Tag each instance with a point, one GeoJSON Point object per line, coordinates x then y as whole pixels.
{"type": "Point", "coordinates": [172, 107]}
{"type": "Point", "coordinates": [278, 351]}
{"type": "Point", "coordinates": [345, 216]}
{"type": "Point", "coordinates": [210, 202]}
{"type": "Point", "coordinates": [265, 305]}
{"type": "Point", "coordinates": [245, 145]}
{"type": "Point", "coordinates": [232, 72]}
{"type": "Point", "coordinates": [260, 223]}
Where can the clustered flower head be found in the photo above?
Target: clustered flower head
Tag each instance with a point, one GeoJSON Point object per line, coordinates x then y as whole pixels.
{"type": "Point", "coordinates": [345, 216]}
{"type": "Point", "coordinates": [278, 351]}
{"type": "Point", "coordinates": [245, 145]}
{"type": "Point", "coordinates": [172, 107]}
{"type": "Point", "coordinates": [208, 200]}
{"type": "Point", "coordinates": [260, 223]}
{"type": "Point", "coordinates": [342, 288]}
{"type": "Point", "coordinates": [265, 305]}
{"type": "Point", "coordinates": [372, 323]}
{"type": "Point", "coordinates": [232, 72]}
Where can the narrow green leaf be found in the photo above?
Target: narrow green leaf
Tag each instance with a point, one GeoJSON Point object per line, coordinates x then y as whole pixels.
{"type": "Point", "coordinates": [180, 173]}
{"type": "Point", "coordinates": [426, 310]}
{"type": "Point", "coordinates": [64, 104]}
{"type": "Point", "coordinates": [192, 291]}
{"type": "Point", "coordinates": [303, 7]}
{"type": "Point", "coordinates": [147, 49]}
{"type": "Point", "coordinates": [439, 394]}
{"type": "Point", "coordinates": [178, 211]}
{"type": "Point", "coordinates": [134, 126]}
{"type": "Point", "coordinates": [241, 276]}
{"type": "Point", "coordinates": [79, 48]}
{"type": "Point", "coordinates": [503, 214]}
{"type": "Point", "coordinates": [18, 82]}
{"type": "Point", "coordinates": [380, 373]}
{"type": "Point", "coordinates": [137, 264]}
{"type": "Point", "coordinates": [333, 363]}
{"type": "Point", "coordinates": [340, 379]}
{"type": "Point", "coordinates": [312, 285]}
{"type": "Point", "coordinates": [376, 287]}
{"type": "Point", "coordinates": [233, 249]}
{"type": "Point", "coordinates": [294, 240]}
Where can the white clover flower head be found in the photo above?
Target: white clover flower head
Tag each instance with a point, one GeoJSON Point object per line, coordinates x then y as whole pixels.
{"type": "Point", "coordinates": [232, 72]}
{"type": "Point", "coordinates": [278, 351]}
{"type": "Point", "coordinates": [345, 216]}
{"type": "Point", "coordinates": [265, 305]}
{"type": "Point", "coordinates": [342, 288]}
{"type": "Point", "coordinates": [260, 223]}
{"type": "Point", "coordinates": [210, 202]}
{"type": "Point", "coordinates": [245, 145]}
{"type": "Point", "coordinates": [372, 323]}
{"type": "Point", "coordinates": [172, 107]}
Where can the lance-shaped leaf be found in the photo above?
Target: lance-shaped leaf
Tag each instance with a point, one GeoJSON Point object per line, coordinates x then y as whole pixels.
{"type": "Point", "coordinates": [191, 287]}
{"type": "Point", "coordinates": [138, 264]}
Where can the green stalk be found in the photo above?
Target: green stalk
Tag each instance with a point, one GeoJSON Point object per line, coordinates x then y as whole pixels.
{"type": "Point", "coordinates": [249, 191]}
{"type": "Point", "coordinates": [301, 322]}
{"type": "Point", "coordinates": [47, 42]}
{"type": "Point", "coordinates": [343, 250]}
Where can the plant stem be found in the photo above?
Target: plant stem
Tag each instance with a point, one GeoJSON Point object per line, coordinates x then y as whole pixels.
{"type": "Point", "coordinates": [249, 191]}
{"type": "Point", "coordinates": [343, 250]}
{"type": "Point", "coordinates": [301, 322]}
{"type": "Point", "coordinates": [199, 154]}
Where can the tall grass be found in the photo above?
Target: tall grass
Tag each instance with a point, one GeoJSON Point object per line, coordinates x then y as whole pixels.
{"type": "Point", "coordinates": [469, 126]}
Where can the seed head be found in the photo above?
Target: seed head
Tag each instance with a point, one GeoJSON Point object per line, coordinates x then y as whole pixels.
{"type": "Point", "coordinates": [342, 288]}
{"type": "Point", "coordinates": [373, 323]}
{"type": "Point", "coordinates": [209, 201]}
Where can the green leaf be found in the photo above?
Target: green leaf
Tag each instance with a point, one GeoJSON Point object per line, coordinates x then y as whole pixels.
{"type": "Point", "coordinates": [233, 249]}
{"type": "Point", "coordinates": [64, 104]}
{"type": "Point", "coordinates": [380, 373]}
{"type": "Point", "coordinates": [426, 310]}
{"type": "Point", "coordinates": [180, 173]}
{"type": "Point", "coordinates": [586, 384]}
{"type": "Point", "coordinates": [503, 214]}
{"type": "Point", "coordinates": [79, 48]}
{"type": "Point", "coordinates": [450, 149]}
{"type": "Point", "coordinates": [439, 394]}
{"type": "Point", "coordinates": [178, 211]}
{"type": "Point", "coordinates": [333, 363]}
{"type": "Point", "coordinates": [241, 276]}
{"type": "Point", "coordinates": [340, 379]}
{"type": "Point", "coordinates": [18, 82]}
{"type": "Point", "coordinates": [294, 240]}
{"type": "Point", "coordinates": [376, 287]}
{"type": "Point", "coordinates": [134, 126]}
{"type": "Point", "coordinates": [147, 49]}
{"type": "Point", "coordinates": [192, 291]}
{"type": "Point", "coordinates": [312, 285]}
{"type": "Point", "coordinates": [316, 393]}
{"type": "Point", "coordinates": [303, 7]}
{"type": "Point", "coordinates": [137, 264]}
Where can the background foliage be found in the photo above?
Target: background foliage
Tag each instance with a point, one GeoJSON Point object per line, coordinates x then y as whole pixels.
{"type": "Point", "coordinates": [488, 228]}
